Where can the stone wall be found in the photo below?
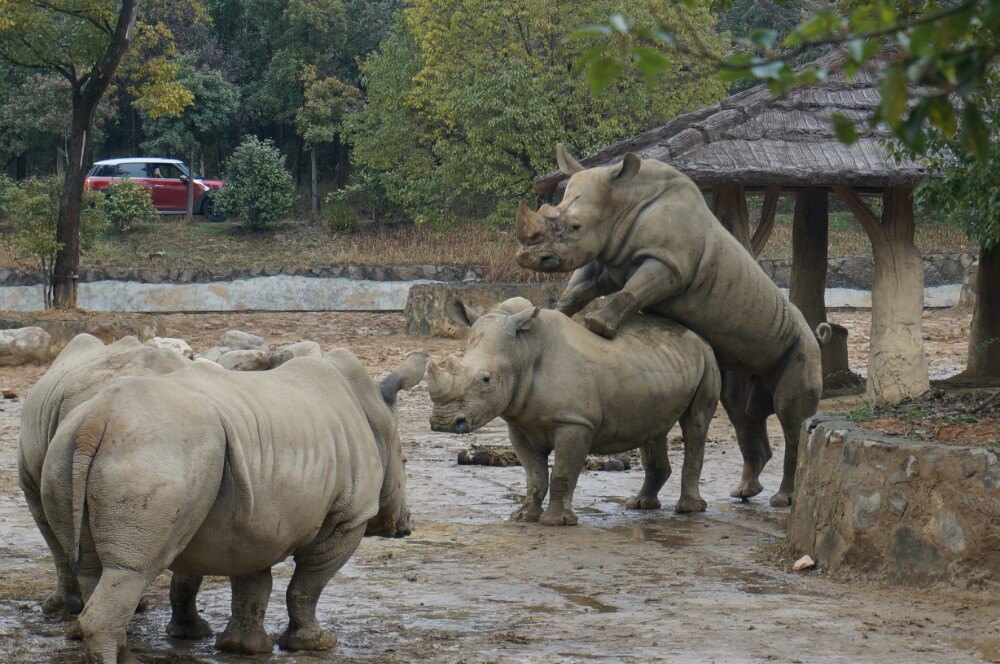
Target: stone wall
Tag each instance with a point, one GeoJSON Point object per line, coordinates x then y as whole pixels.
{"type": "Point", "coordinates": [911, 513]}
{"type": "Point", "coordinates": [857, 272]}
{"type": "Point", "coordinates": [427, 307]}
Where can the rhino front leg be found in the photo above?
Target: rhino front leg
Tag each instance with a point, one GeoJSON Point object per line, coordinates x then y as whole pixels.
{"type": "Point", "coordinates": [245, 633]}
{"type": "Point", "coordinates": [572, 445]}
{"type": "Point", "coordinates": [656, 464]}
{"type": "Point", "coordinates": [536, 467]}
{"type": "Point", "coordinates": [314, 567]}
{"type": "Point", "coordinates": [586, 285]}
{"type": "Point", "coordinates": [652, 282]}
{"type": "Point", "coordinates": [185, 623]}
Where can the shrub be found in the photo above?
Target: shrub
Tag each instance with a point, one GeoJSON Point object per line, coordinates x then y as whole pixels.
{"type": "Point", "coordinates": [7, 188]}
{"type": "Point", "coordinates": [126, 204]}
{"type": "Point", "coordinates": [259, 189]}
{"type": "Point", "coordinates": [34, 209]}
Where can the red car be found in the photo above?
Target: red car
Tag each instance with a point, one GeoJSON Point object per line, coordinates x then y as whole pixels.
{"type": "Point", "coordinates": [166, 179]}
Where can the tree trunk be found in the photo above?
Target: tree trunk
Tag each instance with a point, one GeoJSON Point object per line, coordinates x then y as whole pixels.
{"type": "Point", "coordinates": [897, 365]}
{"type": "Point", "coordinates": [313, 189]}
{"type": "Point", "coordinates": [984, 339]}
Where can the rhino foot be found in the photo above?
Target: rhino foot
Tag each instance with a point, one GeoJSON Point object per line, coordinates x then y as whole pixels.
{"type": "Point", "coordinates": [558, 517]}
{"type": "Point", "coordinates": [143, 605]}
{"type": "Point", "coordinates": [601, 324]}
{"type": "Point", "coordinates": [62, 602]}
{"type": "Point", "coordinates": [688, 505]}
{"type": "Point", "coordinates": [245, 640]}
{"type": "Point", "coordinates": [641, 502]}
{"type": "Point", "coordinates": [73, 632]}
{"type": "Point", "coordinates": [525, 513]}
{"type": "Point", "coordinates": [189, 630]}
{"type": "Point", "coordinates": [781, 499]}
{"type": "Point", "coordinates": [747, 489]}
{"type": "Point", "coordinates": [307, 638]}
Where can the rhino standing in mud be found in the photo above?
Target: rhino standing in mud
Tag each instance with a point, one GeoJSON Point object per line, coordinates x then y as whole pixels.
{"type": "Point", "coordinates": [206, 471]}
{"type": "Point", "coordinates": [561, 388]}
{"type": "Point", "coordinates": [639, 231]}
{"type": "Point", "coordinates": [83, 367]}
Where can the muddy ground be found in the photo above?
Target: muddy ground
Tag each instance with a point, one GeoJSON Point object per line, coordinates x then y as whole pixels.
{"type": "Point", "coordinates": [467, 586]}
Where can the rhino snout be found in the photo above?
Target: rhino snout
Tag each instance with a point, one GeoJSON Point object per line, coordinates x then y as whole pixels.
{"type": "Point", "coordinates": [462, 425]}
{"type": "Point", "coordinates": [457, 424]}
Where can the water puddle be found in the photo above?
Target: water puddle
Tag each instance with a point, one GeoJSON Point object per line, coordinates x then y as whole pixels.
{"type": "Point", "coordinates": [577, 596]}
{"type": "Point", "coordinates": [985, 649]}
{"type": "Point", "coordinates": [758, 583]}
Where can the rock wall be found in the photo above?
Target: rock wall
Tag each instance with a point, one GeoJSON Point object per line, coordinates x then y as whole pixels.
{"type": "Point", "coordinates": [106, 328]}
{"type": "Point", "coordinates": [911, 513]}
{"type": "Point", "coordinates": [427, 307]}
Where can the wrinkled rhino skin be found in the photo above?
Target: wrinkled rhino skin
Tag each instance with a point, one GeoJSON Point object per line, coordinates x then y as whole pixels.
{"type": "Point", "coordinates": [208, 471]}
{"type": "Point", "coordinates": [640, 232]}
{"type": "Point", "coordinates": [562, 389]}
{"type": "Point", "coordinates": [83, 367]}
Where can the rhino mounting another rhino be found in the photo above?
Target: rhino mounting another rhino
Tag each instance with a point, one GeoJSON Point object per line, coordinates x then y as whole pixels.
{"type": "Point", "coordinates": [640, 232]}
{"type": "Point", "coordinates": [561, 388]}
{"type": "Point", "coordinates": [83, 367]}
{"type": "Point", "coordinates": [206, 471]}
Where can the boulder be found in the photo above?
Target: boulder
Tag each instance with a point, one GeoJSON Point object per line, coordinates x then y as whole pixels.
{"type": "Point", "coordinates": [301, 349]}
{"type": "Point", "coordinates": [240, 340]}
{"type": "Point", "coordinates": [23, 346]}
{"type": "Point", "coordinates": [246, 360]}
{"type": "Point", "coordinates": [213, 354]}
{"type": "Point", "coordinates": [169, 343]}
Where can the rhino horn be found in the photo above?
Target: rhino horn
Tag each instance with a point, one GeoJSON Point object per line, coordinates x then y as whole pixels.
{"type": "Point", "coordinates": [529, 226]}
{"type": "Point", "coordinates": [567, 164]}
{"type": "Point", "coordinates": [438, 378]}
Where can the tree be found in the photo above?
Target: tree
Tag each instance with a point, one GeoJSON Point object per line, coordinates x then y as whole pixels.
{"type": "Point", "coordinates": [321, 117]}
{"type": "Point", "coordinates": [969, 192]}
{"type": "Point", "coordinates": [84, 42]}
{"type": "Point", "coordinates": [947, 49]}
{"type": "Point", "coordinates": [258, 188]}
{"type": "Point", "coordinates": [466, 99]}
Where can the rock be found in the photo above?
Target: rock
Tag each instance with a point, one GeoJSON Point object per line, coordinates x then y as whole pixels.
{"type": "Point", "coordinates": [168, 343]}
{"type": "Point", "coordinates": [301, 349]}
{"type": "Point", "coordinates": [246, 360]}
{"type": "Point", "coordinates": [24, 345]}
{"type": "Point", "coordinates": [10, 394]}
{"type": "Point", "coordinates": [240, 340]}
{"type": "Point", "coordinates": [614, 465]}
{"type": "Point", "coordinates": [213, 354]}
{"type": "Point", "coordinates": [805, 562]}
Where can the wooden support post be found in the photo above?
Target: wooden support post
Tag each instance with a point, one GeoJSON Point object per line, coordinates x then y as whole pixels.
{"type": "Point", "coordinates": [810, 241]}
{"type": "Point", "coordinates": [731, 210]}
{"type": "Point", "coordinates": [766, 224]}
{"type": "Point", "coordinates": [897, 365]}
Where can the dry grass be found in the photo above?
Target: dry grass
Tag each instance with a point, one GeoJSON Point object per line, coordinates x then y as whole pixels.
{"type": "Point", "coordinates": [168, 243]}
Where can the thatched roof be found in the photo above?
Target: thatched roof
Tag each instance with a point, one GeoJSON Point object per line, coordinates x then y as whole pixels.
{"type": "Point", "coordinates": [756, 138]}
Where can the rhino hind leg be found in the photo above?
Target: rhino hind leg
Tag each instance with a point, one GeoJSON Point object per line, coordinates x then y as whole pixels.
{"type": "Point", "coordinates": [751, 433]}
{"type": "Point", "coordinates": [694, 428]}
{"type": "Point", "coordinates": [245, 633]}
{"type": "Point", "coordinates": [656, 465]}
{"type": "Point", "coordinates": [314, 567]}
{"type": "Point", "coordinates": [107, 612]}
{"type": "Point", "coordinates": [796, 397]}
{"type": "Point", "coordinates": [185, 623]}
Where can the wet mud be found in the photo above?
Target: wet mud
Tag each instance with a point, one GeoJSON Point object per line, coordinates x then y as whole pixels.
{"type": "Point", "coordinates": [467, 586]}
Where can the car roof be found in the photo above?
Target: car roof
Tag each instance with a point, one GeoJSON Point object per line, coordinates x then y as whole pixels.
{"type": "Point", "coordinates": [135, 160]}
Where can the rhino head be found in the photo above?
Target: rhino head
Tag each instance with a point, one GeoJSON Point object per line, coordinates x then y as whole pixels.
{"type": "Point", "coordinates": [393, 517]}
{"type": "Point", "coordinates": [564, 237]}
{"type": "Point", "coordinates": [470, 392]}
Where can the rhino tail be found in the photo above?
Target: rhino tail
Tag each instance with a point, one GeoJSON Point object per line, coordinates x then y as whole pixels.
{"type": "Point", "coordinates": [823, 334]}
{"type": "Point", "coordinates": [88, 440]}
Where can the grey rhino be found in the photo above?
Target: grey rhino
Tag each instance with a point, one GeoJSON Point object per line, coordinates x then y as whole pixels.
{"type": "Point", "coordinates": [206, 471]}
{"type": "Point", "coordinates": [563, 389]}
{"type": "Point", "coordinates": [640, 232]}
{"type": "Point", "coordinates": [83, 367]}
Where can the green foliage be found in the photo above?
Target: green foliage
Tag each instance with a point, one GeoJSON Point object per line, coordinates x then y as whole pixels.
{"type": "Point", "coordinates": [7, 188]}
{"type": "Point", "coordinates": [950, 47]}
{"type": "Point", "coordinates": [968, 190]}
{"type": "Point", "coordinates": [327, 100]}
{"type": "Point", "coordinates": [127, 204]}
{"type": "Point", "coordinates": [259, 189]}
{"type": "Point", "coordinates": [466, 100]}
{"type": "Point", "coordinates": [34, 209]}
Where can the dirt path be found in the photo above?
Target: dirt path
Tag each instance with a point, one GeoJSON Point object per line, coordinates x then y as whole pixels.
{"type": "Point", "coordinates": [467, 586]}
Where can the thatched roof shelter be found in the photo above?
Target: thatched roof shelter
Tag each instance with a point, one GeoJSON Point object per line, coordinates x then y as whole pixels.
{"type": "Point", "coordinates": [758, 142]}
{"type": "Point", "coordinates": [755, 138]}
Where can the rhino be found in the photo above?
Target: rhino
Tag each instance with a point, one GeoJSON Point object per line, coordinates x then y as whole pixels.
{"type": "Point", "coordinates": [83, 367]}
{"type": "Point", "coordinates": [206, 471]}
{"type": "Point", "coordinates": [639, 232]}
{"type": "Point", "coordinates": [562, 389]}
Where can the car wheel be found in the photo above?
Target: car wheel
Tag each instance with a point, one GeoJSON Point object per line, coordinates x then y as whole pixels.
{"type": "Point", "coordinates": [210, 212]}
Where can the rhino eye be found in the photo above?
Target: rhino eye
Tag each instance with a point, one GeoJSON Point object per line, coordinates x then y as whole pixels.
{"type": "Point", "coordinates": [576, 227]}
{"type": "Point", "coordinates": [486, 379]}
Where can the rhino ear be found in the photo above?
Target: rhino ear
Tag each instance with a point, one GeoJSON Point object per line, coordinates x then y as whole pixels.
{"type": "Point", "coordinates": [408, 374]}
{"type": "Point", "coordinates": [461, 313]}
{"type": "Point", "coordinates": [629, 167]}
{"type": "Point", "coordinates": [523, 320]}
{"type": "Point", "coordinates": [567, 164]}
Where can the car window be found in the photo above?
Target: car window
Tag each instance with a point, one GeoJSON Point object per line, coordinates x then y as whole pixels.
{"type": "Point", "coordinates": [104, 171]}
{"type": "Point", "coordinates": [132, 170]}
{"type": "Point", "coordinates": [164, 170]}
